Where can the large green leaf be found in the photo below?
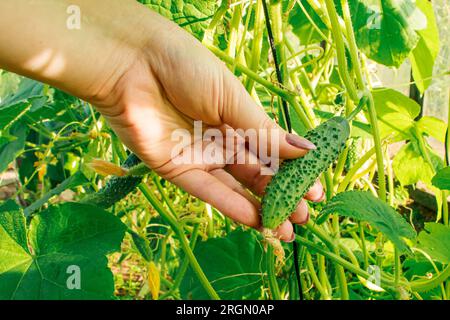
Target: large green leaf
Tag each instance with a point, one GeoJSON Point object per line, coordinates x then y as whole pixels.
{"type": "Point", "coordinates": [301, 19]}
{"type": "Point", "coordinates": [386, 30]}
{"type": "Point", "coordinates": [433, 127]}
{"type": "Point", "coordinates": [9, 150]}
{"type": "Point", "coordinates": [68, 237]}
{"type": "Point", "coordinates": [424, 54]}
{"type": "Point", "coordinates": [442, 179]}
{"type": "Point", "coordinates": [191, 14]}
{"type": "Point", "coordinates": [410, 166]}
{"type": "Point", "coordinates": [363, 206]}
{"type": "Point", "coordinates": [396, 112]}
{"type": "Point", "coordinates": [234, 265]}
{"type": "Point", "coordinates": [435, 241]}
{"type": "Point", "coordinates": [16, 105]}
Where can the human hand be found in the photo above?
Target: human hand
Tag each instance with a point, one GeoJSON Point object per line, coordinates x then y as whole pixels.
{"type": "Point", "coordinates": [150, 78]}
{"type": "Point", "coordinates": [176, 81]}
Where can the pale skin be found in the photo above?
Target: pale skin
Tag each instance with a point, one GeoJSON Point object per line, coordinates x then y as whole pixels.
{"type": "Point", "coordinates": [148, 77]}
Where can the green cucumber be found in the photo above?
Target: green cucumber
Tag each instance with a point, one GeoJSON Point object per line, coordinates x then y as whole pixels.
{"type": "Point", "coordinates": [295, 177]}
{"type": "Point", "coordinates": [116, 188]}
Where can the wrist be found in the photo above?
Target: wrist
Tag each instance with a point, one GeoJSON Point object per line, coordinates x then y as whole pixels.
{"type": "Point", "coordinates": [85, 61]}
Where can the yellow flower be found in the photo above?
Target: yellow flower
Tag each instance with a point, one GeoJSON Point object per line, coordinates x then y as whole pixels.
{"type": "Point", "coordinates": [154, 281]}
{"type": "Point", "coordinates": [106, 168]}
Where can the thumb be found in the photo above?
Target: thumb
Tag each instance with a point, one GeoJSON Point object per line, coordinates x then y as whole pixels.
{"type": "Point", "coordinates": [246, 117]}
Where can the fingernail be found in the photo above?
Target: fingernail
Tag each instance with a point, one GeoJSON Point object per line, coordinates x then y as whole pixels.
{"type": "Point", "coordinates": [292, 238]}
{"type": "Point", "coordinates": [300, 142]}
{"type": "Point", "coordinates": [321, 198]}
{"type": "Point", "coordinates": [306, 220]}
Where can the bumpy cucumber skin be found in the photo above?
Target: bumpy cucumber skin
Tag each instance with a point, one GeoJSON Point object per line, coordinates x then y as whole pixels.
{"type": "Point", "coordinates": [116, 188]}
{"type": "Point", "coordinates": [296, 177]}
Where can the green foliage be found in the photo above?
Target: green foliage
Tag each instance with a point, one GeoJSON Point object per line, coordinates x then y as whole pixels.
{"type": "Point", "coordinates": [435, 241]}
{"type": "Point", "coordinates": [442, 179]}
{"type": "Point", "coordinates": [13, 107]}
{"type": "Point", "coordinates": [191, 14]}
{"type": "Point", "coordinates": [307, 24]}
{"type": "Point", "coordinates": [234, 265]}
{"type": "Point", "coordinates": [363, 206]}
{"type": "Point", "coordinates": [432, 127]}
{"type": "Point", "coordinates": [410, 165]}
{"type": "Point", "coordinates": [396, 113]}
{"type": "Point", "coordinates": [386, 31]}
{"type": "Point", "coordinates": [424, 54]}
{"type": "Point", "coordinates": [34, 264]}
{"type": "Point", "coordinates": [13, 145]}
{"type": "Point", "coordinates": [48, 136]}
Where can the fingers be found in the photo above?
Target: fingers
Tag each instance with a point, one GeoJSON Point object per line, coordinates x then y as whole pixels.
{"type": "Point", "coordinates": [234, 185]}
{"type": "Point", "coordinates": [301, 214]}
{"type": "Point", "coordinates": [316, 193]}
{"type": "Point", "coordinates": [285, 232]}
{"type": "Point", "coordinates": [242, 113]}
{"type": "Point", "coordinates": [250, 173]}
{"type": "Point", "coordinates": [210, 189]}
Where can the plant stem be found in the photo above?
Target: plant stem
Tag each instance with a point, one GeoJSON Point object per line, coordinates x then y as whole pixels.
{"type": "Point", "coordinates": [314, 278]}
{"type": "Point", "coordinates": [183, 268]}
{"type": "Point", "coordinates": [428, 284]}
{"type": "Point", "coordinates": [342, 65]}
{"type": "Point", "coordinates": [354, 170]}
{"type": "Point", "coordinates": [208, 38]}
{"type": "Point", "coordinates": [251, 74]}
{"type": "Point", "coordinates": [156, 204]}
{"type": "Point", "coordinates": [273, 284]}
{"type": "Point", "coordinates": [341, 164]}
{"type": "Point", "coordinates": [363, 245]}
{"type": "Point", "coordinates": [346, 264]}
{"type": "Point", "coordinates": [340, 50]}
{"type": "Point", "coordinates": [258, 31]}
{"type": "Point", "coordinates": [234, 31]}
{"type": "Point", "coordinates": [352, 43]}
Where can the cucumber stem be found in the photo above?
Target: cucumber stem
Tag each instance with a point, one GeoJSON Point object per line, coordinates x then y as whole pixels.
{"type": "Point", "coordinates": [362, 102]}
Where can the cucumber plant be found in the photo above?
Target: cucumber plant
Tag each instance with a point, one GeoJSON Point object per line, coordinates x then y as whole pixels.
{"type": "Point", "coordinates": [365, 242]}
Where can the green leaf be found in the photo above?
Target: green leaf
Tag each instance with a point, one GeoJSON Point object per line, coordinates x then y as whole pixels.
{"type": "Point", "coordinates": [425, 53]}
{"type": "Point", "coordinates": [193, 15]}
{"type": "Point", "coordinates": [302, 26]}
{"type": "Point", "coordinates": [14, 106]}
{"type": "Point", "coordinates": [410, 167]}
{"type": "Point", "coordinates": [10, 150]}
{"type": "Point", "coordinates": [62, 237]}
{"type": "Point", "coordinates": [363, 206]}
{"type": "Point", "coordinates": [12, 227]}
{"type": "Point", "coordinates": [9, 205]}
{"type": "Point", "coordinates": [435, 241]}
{"type": "Point", "coordinates": [433, 127]}
{"type": "Point", "coordinates": [396, 112]}
{"type": "Point", "coordinates": [8, 83]}
{"type": "Point", "coordinates": [386, 30]}
{"type": "Point", "coordinates": [142, 245]}
{"type": "Point", "coordinates": [442, 179]}
{"type": "Point", "coordinates": [234, 265]}
{"type": "Point", "coordinates": [76, 180]}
